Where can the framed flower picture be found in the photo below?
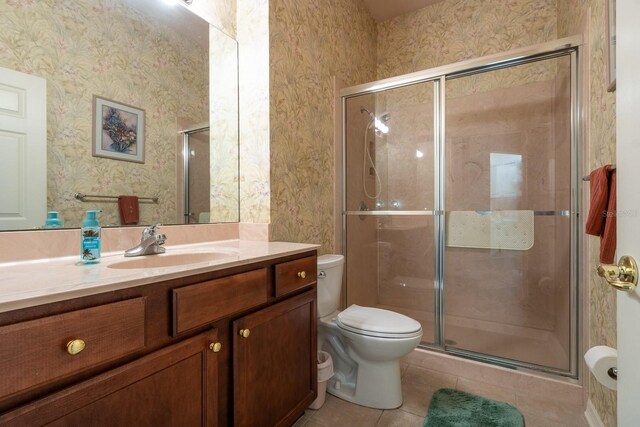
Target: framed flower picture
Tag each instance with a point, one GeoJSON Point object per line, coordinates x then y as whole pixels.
{"type": "Point", "coordinates": [118, 131]}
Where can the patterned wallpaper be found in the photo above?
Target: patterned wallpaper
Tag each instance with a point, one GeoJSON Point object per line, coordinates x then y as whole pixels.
{"type": "Point", "coordinates": [81, 53]}
{"type": "Point", "coordinates": [573, 18]}
{"type": "Point", "coordinates": [223, 180]}
{"type": "Point", "coordinates": [310, 43]}
{"type": "Point", "coordinates": [455, 30]}
{"type": "Point", "coordinates": [253, 36]}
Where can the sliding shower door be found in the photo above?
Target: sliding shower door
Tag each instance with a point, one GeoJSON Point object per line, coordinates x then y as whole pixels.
{"type": "Point", "coordinates": [507, 276]}
{"type": "Point", "coordinates": [460, 205]}
{"type": "Point", "coordinates": [390, 202]}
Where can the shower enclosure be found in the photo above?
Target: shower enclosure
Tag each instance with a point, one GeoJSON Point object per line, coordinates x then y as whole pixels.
{"type": "Point", "coordinates": [460, 204]}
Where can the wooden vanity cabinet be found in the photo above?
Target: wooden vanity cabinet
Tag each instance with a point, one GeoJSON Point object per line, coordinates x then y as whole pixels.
{"type": "Point", "coordinates": [274, 363]}
{"type": "Point", "coordinates": [179, 358]}
{"type": "Point", "coordinates": [175, 386]}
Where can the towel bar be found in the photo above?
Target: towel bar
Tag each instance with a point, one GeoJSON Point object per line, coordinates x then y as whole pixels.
{"type": "Point", "coordinates": [588, 177]}
{"type": "Point", "coordinates": [82, 197]}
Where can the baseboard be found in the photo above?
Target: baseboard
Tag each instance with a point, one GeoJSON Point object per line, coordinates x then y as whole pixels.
{"type": "Point", "coordinates": [591, 415]}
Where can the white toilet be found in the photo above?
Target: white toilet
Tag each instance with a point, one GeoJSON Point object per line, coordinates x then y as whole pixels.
{"type": "Point", "coordinates": [365, 343]}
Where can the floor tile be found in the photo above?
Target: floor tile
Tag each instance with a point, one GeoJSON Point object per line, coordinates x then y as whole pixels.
{"type": "Point", "coordinates": [399, 418]}
{"type": "Point", "coordinates": [337, 413]}
{"type": "Point", "coordinates": [560, 391]}
{"type": "Point", "coordinates": [416, 398]}
{"type": "Point", "coordinates": [551, 409]}
{"type": "Point", "coordinates": [467, 368]}
{"type": "Point", "coordinates": [428, 377]}
{"type": "Point", "coordinates": [488, 391]}
{"type": "Point", "coordinates": [535, 420]}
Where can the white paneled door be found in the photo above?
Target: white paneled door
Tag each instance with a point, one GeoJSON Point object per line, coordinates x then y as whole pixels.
{"type": "Point", "coordinates": [23, 150]}
{"type": "Point", "coordinates": [628, 162]}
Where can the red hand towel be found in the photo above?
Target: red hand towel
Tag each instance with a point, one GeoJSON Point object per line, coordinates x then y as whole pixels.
{"type": "Point", "coordinates": [608, 239]}
{"type": "Point", "coordinates": [599, 182]}
{"type": "Point", "coordinates": [129, 210]}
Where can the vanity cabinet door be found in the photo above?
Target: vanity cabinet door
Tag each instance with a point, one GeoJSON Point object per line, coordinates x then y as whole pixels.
{"type": "Point", "coordinates": [175, 386]}
{"type": "Point", "coordinates": [274, 363]}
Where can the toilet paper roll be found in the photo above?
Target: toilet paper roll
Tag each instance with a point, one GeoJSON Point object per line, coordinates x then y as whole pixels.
{"type": "Point", "coordinates": [600, 360]}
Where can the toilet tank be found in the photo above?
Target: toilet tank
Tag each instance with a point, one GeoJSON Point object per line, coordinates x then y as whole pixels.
{"type": "Point", "coordinates": [330, 269]}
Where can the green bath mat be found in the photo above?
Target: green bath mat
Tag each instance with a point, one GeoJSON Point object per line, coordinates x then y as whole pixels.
{"type": "Point", "coordinates": [453, 408]}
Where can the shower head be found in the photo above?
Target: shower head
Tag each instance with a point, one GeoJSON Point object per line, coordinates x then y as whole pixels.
{"type": "Point", "coordinates": [378, 122]}
{"type": "Point", "coordinates": [364, 110]}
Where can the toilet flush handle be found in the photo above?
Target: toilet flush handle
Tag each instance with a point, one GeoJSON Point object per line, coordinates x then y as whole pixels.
{"type": "Point", "coordinates": [322, 274]}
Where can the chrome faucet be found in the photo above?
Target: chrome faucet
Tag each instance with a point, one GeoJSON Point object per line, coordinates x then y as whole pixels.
{"type": "Point", "coordinates": [149, 243]}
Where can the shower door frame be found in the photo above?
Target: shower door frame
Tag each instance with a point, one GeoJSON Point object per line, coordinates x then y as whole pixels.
{"type": "Point", "coordinates": [186, 134]}
{"type": "Point", "coordinates": [571, 47]}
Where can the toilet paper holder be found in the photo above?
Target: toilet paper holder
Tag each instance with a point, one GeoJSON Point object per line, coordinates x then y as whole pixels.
{"type": "Point", "coordinates": [623, 277]}
{"type": "Point", "coordinates": [602, 362]}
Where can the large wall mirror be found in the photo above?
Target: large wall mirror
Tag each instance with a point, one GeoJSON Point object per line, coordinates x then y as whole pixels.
{"type": "Point", "coordinates": [128, 106]}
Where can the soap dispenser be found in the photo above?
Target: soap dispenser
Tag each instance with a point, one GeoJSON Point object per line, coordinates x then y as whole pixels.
{"type": "Point", "coordinates": [52, 220]}
{"type": "Point", "coordinates": [90, 238]}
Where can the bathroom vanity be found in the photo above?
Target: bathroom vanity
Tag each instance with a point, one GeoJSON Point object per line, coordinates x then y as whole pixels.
{"type": "Point", "coordinates": [227, 342]}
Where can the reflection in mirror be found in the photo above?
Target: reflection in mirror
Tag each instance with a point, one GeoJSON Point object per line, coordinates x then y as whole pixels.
{"type": "Point", "coordinates": [149, 60]}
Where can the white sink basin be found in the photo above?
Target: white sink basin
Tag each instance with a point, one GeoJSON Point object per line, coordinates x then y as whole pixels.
{"type": "Point", "coordinates": [170, 260]}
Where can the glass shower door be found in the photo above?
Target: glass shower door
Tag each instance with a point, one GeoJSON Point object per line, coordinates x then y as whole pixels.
{"type": "Point", "coordinates": [507, 275]}
{"type": "Point", "coordinates": [390, 201]}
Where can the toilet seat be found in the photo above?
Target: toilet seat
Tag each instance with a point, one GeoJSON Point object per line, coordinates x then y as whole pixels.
{"type": "Point", "coordinates": [377, 322]}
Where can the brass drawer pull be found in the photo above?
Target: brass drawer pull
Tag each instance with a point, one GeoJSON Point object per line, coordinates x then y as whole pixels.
{"type": "Point", "coordinates": [215, 347]}
{"type": "Point", "coordinates": [302, 274]}
{"type": "Point", "coordinates": [244, 333]}
{"type": "Point", "coordinates": [75, 346]}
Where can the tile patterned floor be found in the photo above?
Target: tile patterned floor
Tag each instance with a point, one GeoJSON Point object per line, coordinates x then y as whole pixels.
{"type": "Point", "coordinates": [419, 384]}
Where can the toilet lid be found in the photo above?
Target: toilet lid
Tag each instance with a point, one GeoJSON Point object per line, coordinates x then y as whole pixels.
{"type": "Point", "coordinates": [377, 320]}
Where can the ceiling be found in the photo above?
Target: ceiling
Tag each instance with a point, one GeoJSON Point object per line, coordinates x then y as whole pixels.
{"type": "Point", "coordinates": [381, 10]}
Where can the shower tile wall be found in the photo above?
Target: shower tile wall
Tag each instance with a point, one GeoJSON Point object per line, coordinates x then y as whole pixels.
{"type": "Point", "coordinates": [521, 297]}
{"type": "Point", "coordinates": [563, 193]}
{"type": "Point", "coordinates": [406, 259]}
{"type": "Point", "coordinates": [361, 274]}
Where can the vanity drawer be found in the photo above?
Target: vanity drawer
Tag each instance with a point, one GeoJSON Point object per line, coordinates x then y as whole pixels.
{"type": "Point", "coordinates": [296, 274]}
{"type": "Point", "coordinates": [202, 303]}
{"type": "Point", "coordinates": [40, 351]}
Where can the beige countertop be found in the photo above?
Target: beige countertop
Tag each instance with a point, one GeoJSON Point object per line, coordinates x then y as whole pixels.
{"type": "Point", "coordinates": [30, 283]}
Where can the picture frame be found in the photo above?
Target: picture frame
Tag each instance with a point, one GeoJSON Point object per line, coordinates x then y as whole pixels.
{"type": "Point", "coordinates": [611, 45]}
{"type": "Point", "coordinates": [118, 131]}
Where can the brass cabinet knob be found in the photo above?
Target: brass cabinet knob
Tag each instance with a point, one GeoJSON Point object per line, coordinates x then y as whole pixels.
{"type": "Point", "coordinates": [75, 346]}
{"type": "Point", "coordinates": [623, 277]}
{"type": "Point", "coordinates": [215, 346]}
{"type": "Point", "coordinates": [302, 274]}
{"type": "Point", "coordinates": [244, 333]}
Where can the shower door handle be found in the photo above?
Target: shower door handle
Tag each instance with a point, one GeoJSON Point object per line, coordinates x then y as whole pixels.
{"type": "Point", "coordinates": [623, 277]}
